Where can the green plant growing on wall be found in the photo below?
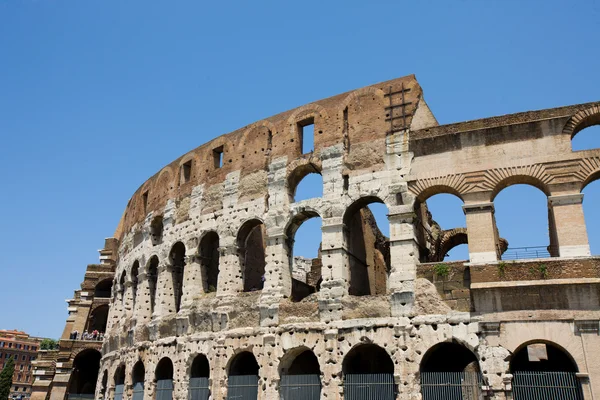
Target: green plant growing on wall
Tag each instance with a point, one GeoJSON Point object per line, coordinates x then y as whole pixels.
{"type": "Point", "coordinates": [6, 377]}
{"type": "Point", "coordinates": [441, 270]}
{"type": "Point", "coordinates": [501, 269]}
{"type": "Point", "coordinates": [543, 270]}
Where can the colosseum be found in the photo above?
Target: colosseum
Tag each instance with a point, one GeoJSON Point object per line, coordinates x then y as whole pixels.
{"type": "Point", "coordinates": [208, 300]}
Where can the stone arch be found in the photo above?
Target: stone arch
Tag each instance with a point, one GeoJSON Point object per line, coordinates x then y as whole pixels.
{"type": "Point", "coordinates": [424, 193]}
{"type": "Point", "coordinates": [152, 277]}
{"type": "Point", "coordinates": [119, 375]}
{"type": "Point", "coordinates": [299, 361]}
{"type": "Point", "coordinates": [367, 358]}
{"type": "Point", "coordinates": [356, 94]}
{"type": "Point", "coordinates": [207, 153]}
{"type": "Point", "coordinates": [138, 372]}
{"type": "Point", "coordinates": [450, 239]}
{"type": "Point", "coordinates": [194, 168]}
{"type": "Point", "coordinates": [519, 180]}
{"type": "Point", "coordinates": [581, 120]}
{"type": "Point", "coordinates": [251, 245]}
{"type": "Point", "coordinates": [368, 250]}
{"type": "Point", "coordinates": [557, 359]}
{"type": "Point", "coordinates": [103, 288]}
{"type": "Point", "coordinates": [199, 366]}
{"type": "Point", "coordinates": [256, 144]}
{"type": "Point", "coordinates": [309, 114]}
{"type": "Point", "coordinates": [177, 261]}
{"type": "Point", "coordinates": [156, 229]}
{"type": "Point", "coordinates": [163, 375]}
{"type": "Point", "coordinates": [98, 319]}
{"type": "Point", "coordinates": [592, 177]}
{"type": "Point", "coordinates": [243, 363]}
{"type": "Point", "coordinates": [299, 169]}
{"type": "Point", "coordinates": [135, 271]}
{"type": "Point", "coordinates": [86, 366]}
{"type": "Point", "coordinates": [164, 184]}
{"type": "Point", "coordinates": [122, 281]}
{"type": "Point", "coordinates": [449, 356]}
{"type": "Point", "coordinates": [209, 260]}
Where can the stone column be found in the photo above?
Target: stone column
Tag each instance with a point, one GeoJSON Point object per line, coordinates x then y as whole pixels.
{"type": "Point", "coordinates": [334, 270]}
{"type": "Point", "coordinates": [230, 275]}
{"type": "Point", "coordinates": [142, 311]}
{"type": "Point", "coordinates": [165, 299]}
{"type": "Point", "coordinates": [192, 281]}
{"type": "Point", "coordinates": [481, 232]}
{"type": "Point", "coordinates": [278, 278]}
{"type": "Point", "coordinates": [404, 257]}
{"type": "Point", "coordinates": [569, 226]}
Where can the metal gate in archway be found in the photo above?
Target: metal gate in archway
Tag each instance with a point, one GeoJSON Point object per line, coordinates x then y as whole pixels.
{"type": "Point", "coordinates": [199, 389]}
{"type": "Point", "coordinates": [300, 387]}
{"type": "Point", "coordinates": [242, 387]}
{"type": "Point", "coordinates": [451, 386]}
{"type": "Point", "coordinates": [138, 391]}
{"type": "Point", "coordinates": [533, 385]}
{"type": "Point", "coordinates": [369, 387]}
{"type": "Point", "coordinates": [119, 392]}
{"type": "Point", "coordinates": [164, 389]}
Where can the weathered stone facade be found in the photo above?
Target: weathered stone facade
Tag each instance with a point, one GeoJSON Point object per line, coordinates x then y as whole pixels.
{"type": "Point", "coordinates": [205, 250]}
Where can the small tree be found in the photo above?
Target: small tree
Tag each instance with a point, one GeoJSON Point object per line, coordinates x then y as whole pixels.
{"type": "Point", "coordinates": [48, 344]}
{"type": "Point", "coordinates": [6, 377]}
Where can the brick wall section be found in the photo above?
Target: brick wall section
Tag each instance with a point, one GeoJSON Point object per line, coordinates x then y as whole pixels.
{"type": "Point", "coordinates": [454, 288]}
{"type": "Point", "coordinates": [534, 269]}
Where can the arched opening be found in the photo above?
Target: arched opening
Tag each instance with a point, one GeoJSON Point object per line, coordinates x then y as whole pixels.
{"type": "Point", "coordinates": [86, 366]}
{"type": "Point", "coordinates": [103, 288]}
{"type": "Point", "coordinates": [152, 281]}
{"type": "Point", "coordinates": [104, 384]}
{"type": "Point", "coordinates": [122, 281]}
{"type": "Point", "coordinates": [305, 182]}
{"type": "Point", "coordinates": [524, 220]}
{"type": "Point", "coordinates": [209, 257]}
{"type": "Point", "coordinates": [450, 371]}
{"type": "Point", "coordinates": [177, 259]}
{"type": "Point", "coordinates": [438, 217]}
{"type": "Point", "coordinates": [368, 371]}
{"type": "Point", "coordinates": [137, 378]}
{"type": "Point", "coordinates": [119, 382]}
{"type": "Point", "coordinates": [251, 242]}
{"type": "Point", "coordinates": [368, 249]}
{"type": "Point", "coordinates": [199, 374]}
{"type": "Point", "coordinates": [156, 230]}
{"type": "Point", "coordinates": [591, 212]}
{"type": "Point", "coordinates": [304, 249]}
{"type": "Point", "coordinates": [300, 375]}
{"type": "Point", "coordinates": [164, 379]}
{"type": "Point", "coordinates": [135, 270]}
{"type": "Point", "coordinates": [243, 377]}
{"type": "Point", "coordinates": [587, 139]}
{"type": "Point", "coordinates": [97, 321]}
{"type": "Point", "coordinates": [543, 370]}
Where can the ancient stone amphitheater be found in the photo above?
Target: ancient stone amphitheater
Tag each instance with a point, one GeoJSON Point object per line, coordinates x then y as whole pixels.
{"type": "Point", "coordinates": [208, 299]}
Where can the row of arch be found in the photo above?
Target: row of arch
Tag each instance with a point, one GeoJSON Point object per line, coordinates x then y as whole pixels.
{"type": "Point", "coordinates": [300, 371]}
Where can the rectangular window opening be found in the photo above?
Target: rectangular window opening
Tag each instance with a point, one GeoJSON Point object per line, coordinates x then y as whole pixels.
{"type": "Point", "coordinates": [306, 133]}
{"type": "Point", "coordinates": [218, 157]}
{"type": "Point", "coordinates": [145, 201]}
{"type": "Point", "coordinates": [186, 173]}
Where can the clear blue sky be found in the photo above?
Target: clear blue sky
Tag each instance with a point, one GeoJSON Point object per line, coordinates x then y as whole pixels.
{"type": "Point", "coordinates": [97, 96]}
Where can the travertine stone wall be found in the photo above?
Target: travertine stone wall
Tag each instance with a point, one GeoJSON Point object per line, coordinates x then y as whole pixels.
{"type": "Point", "coordinates": [370, 146]}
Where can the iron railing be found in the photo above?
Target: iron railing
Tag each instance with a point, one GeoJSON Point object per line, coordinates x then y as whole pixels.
{"type": "Point", "coordinates": [451, 385]}
{"type": "Point", "coordinates": [520, 253]}
{"type": "Point", "coordinates": [300, 387]}
{"type": "Point", "coordinates": [81, 396]}
{"type": "Point", "coordinates": [138, 391]}
{"type": "Point", "coordinates": [242, 387]}
{"type": "Point", "coordinates": [546, 385]}
{"type": "Point", "coordinates": [119, 392]}
{"type": "Point", "coordinates": [369, 387]}
{"type": "Point", "coordinates": [198, 389]}
{"type": "Point", "coordinates": [164, 389]}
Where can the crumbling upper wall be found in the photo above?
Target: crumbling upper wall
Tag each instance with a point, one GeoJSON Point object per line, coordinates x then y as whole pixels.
{"type": "Point", "coordinates": [359, 119]}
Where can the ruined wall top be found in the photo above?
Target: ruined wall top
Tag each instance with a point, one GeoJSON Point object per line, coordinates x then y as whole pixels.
{"type": "Point", "coordinates": [360, 119]}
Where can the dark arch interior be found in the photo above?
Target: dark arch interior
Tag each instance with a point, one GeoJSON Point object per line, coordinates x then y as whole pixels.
{"type": "Point", "coordinates": [152, 279]}
{"type": "Point", "coordinates": [120, 375]}
{"type": "Point", "coordinates": [558, 360]}
{"type": "Point", "coordinates": [98, 319]}
{"type": "Point", "coordinates": [304, 248]}
{"type": "Point", "coordinates": [244, 364]}
{"type": "Point", "coordinates": [138, 372]}
{"type": "Point", "coordinates": [449, 357]}
{"type": "Point", "coordinates": [104, 382]}
{"type": "Point", "coordinates": [134, 280]}
{"type": "Point", "coordinates": [164, 369]}
{"type": "Point", "coordinates": [103, 288]}
{"type": "Point", "coordinates": [306, 363]}
{"type": "Point", "coordinates": [368, 359]}
{"type": "Point", "coordinates": [177, 258]}
{"type": "Point", "coordinates": [200, 367]}
{"type": "Point", "coordinates": [251, 247]}
{"type": "Point", "coordinates": [209, 256]}
{"type": "Point", "coordinates": [368, 250]}
{"type": "Point", "coordinates": [85, 372]}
